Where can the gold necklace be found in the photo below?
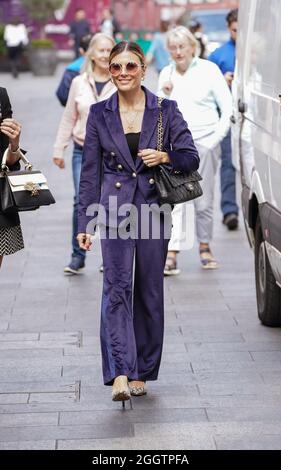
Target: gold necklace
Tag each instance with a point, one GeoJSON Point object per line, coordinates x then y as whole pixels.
{"type": "Point", "coordinates": [130, 123]}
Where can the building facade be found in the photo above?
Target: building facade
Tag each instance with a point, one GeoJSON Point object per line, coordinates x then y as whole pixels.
{"type": "Point", "coordinates": [132, 15]}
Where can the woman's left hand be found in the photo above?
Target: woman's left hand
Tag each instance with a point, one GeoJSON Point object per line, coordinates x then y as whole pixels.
{"type": "Point", "coordinates": [12, 129]}
{"type": "Point", "coordinates": [153, 157]}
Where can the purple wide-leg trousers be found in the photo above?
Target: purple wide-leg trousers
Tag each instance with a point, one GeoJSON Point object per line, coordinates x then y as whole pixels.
{"type": "Point", "coordinates": [132, 311]}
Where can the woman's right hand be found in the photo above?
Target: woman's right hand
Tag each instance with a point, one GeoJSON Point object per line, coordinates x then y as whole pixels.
{"type": "Point", "coordinates": [229, 78]}
{"type": "Point", "coordinates": [12, 129]}
{"type": "Point", "coordinates": [167, 88]}
{"type": "Point", "coordinates": [59, 162]}
{"type": "Point", "coordinates": [85, 241]}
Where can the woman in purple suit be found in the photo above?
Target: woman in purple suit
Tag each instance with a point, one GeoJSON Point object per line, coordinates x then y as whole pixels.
{"type": "Point", "coordinates": [116, 180]}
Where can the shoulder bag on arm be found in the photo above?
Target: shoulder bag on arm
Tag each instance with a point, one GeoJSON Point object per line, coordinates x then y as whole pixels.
{"type": "Point", "coordinates": [173, 186]}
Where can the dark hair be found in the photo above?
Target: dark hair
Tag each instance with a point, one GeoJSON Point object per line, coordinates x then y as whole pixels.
{"type": "Point", "coordinates": [127, 46]}
{"type": "Point", "coordinates": [232, 16]}
{"type": "Point", "coordinates": [164, 26]}
{"type": "Point", "coordinates": [85, 42]}
{"type": "Point", "coordinates": [16, 20]}
{"type": "Point", "coordinates": [194, 25]}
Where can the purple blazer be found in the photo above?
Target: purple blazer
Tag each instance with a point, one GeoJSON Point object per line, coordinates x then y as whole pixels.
{"type": "Point", "coordinates": [108, 168]}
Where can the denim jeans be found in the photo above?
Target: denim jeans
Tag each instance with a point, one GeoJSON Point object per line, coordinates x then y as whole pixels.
{"type": "Point", "coordinates": [228, 175]}
{"type": "Point", "coordinates": [76, 171]}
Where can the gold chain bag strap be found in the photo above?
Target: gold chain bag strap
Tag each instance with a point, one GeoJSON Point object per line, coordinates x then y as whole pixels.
{"type": "Point", "coordinates": [173, 187]}
{"type": "Point", "coordinates": [160, 130]}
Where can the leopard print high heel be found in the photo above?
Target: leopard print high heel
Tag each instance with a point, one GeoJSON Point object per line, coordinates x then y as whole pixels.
{"type": "Point", "coordinates": [137, 388]}
{"type": "Point", "coordinates": [120, 389]}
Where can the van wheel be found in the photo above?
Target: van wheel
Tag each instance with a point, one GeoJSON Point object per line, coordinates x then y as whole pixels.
{"type": "Point", "coordinates": [268, 292]}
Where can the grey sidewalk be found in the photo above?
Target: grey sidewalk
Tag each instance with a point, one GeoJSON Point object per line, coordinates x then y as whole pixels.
{"type": "Point", "coordinates": [220, 379]}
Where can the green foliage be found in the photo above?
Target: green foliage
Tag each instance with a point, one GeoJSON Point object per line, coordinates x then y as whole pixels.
{"type": "Point", "coordinates": [43, 43]}
{"type": "Point", "coordinates": [42, 10]}
{"type": "Point", "coordinates": [2, 43]}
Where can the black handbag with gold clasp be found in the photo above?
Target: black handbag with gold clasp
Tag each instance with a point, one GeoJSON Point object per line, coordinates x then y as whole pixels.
{"type": "Point", "coordinates": [23, 190]}
{"type": "Point", "coordinates": [174, 187]}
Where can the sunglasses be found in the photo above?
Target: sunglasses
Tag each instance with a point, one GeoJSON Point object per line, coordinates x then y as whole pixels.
{"type": "Point", "coordinates": [131, 68]}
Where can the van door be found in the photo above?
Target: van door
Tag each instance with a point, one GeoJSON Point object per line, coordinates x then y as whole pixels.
{"type": "Point", "coordinates": [274, 250]}
{"type": "Point", "coordinates": [241, 141]}
{"type": "Point", "coordinates": [275, 157]}
{"type": "Point", "coordinates": [260, 87]}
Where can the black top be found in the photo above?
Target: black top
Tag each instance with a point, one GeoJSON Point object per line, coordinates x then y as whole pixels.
{"type": "Point", "coordinates": [9, 219]}
{"type": "Point", "coordinates": [100, 85]}
{"type": "Point", "coordinates": [133, 139]}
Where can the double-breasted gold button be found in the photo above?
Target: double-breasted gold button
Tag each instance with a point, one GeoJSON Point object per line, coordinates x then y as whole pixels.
{"type": "Point", "coordinates": [134, 175]}
{"type": "Point", "coordinates": [151, 181]}
{"type": "Point", "coordinates": [120, 167]}
{"type": "Point", "coordinates": [118, 185]}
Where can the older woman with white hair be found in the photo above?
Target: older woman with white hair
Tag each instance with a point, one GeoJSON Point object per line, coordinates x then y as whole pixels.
{"type": "Point", "coordinates": [204, 99]}
{"type": "Point", "coordinates": [92, 86]}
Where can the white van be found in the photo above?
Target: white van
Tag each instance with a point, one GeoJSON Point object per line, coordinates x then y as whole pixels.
{"type": "Point", "coordinates": [256, 141]}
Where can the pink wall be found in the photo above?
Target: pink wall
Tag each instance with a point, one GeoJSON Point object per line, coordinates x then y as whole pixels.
{"type": "Point", "coordinates": [131, 14]}
{"type": "Point", "coordinates": [93, 9]}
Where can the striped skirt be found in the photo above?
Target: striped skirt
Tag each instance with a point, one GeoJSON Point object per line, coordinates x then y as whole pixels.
{"type": "Point", "coordinates": [11, 240]}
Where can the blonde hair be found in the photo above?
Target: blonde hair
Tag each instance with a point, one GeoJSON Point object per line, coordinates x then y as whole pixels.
{"type": "Point", "coordinates": [88, 65]}
{"type": "Point", "coordinates": [183, 32]}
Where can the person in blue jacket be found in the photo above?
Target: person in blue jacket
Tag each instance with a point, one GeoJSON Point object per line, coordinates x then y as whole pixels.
{"type": "Point", "coordinates": [72, 70]}
{"type": "Point", "coordinates": [224, 57]}
{"type": "Point", "coordinates": [158, 51]}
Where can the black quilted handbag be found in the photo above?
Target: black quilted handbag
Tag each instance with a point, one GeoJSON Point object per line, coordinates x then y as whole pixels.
{"type": "Point", "coordinates": [174, 187]}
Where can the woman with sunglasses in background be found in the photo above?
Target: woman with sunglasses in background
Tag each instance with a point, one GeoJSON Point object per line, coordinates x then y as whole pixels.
{"type": "Point", "coordinates": [118, 165]}
{"type": "Point", "coordinates": [91, 86]}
